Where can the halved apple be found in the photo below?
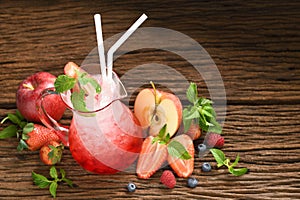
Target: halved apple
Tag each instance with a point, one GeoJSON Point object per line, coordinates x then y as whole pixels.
{"type": "Point", "coordinates": [154, 109]}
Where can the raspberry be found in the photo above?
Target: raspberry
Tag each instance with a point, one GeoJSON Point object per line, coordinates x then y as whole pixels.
{"type": "Point", "coordinates": [215, 140]}
{"type": "Point", "coordinates": [168, 179]}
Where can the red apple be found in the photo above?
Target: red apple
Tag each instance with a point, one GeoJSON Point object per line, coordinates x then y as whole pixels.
{"type": "Point", "coordinates": [155, 108]}
{"type": "Point", "coordinates": [28, 93]}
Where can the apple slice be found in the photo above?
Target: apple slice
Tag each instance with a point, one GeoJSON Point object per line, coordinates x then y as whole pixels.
{"type": "Point", "coordinates": [154, 109]}
{"type": "Point", "coordinates": [144, 106]}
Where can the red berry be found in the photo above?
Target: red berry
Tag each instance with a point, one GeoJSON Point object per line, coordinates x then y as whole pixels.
{"type": "Point", "coordinates": [215, 140]}
{"type": "Point", "coordinates": [39, 136]}
{"type": "Point", "coordinates": [51, 153]}
{"type": "Point", "coordinates": [168, 179]}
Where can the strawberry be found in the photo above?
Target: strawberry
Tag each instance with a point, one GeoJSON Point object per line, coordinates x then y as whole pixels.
{"type": "Point", "coordinates": [71, 69]}
{"type": "Point", "coordinates": [194, 131]}
{"type": "Point", "coordinates": [168, 179]}
{"type": "Point", "coordinates": [214, 140]}
{"type": "Point", "coordinates": [39, 136]}
{"type": "Point", "coordinates": [183, 167]}
{"type": "Point", "coordinates": [51, 153]}
{"type": "Point", "coordinates": [152, 156]}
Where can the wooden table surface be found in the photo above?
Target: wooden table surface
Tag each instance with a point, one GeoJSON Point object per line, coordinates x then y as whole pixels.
{"type": "Point", "coordinates": [255, 45]}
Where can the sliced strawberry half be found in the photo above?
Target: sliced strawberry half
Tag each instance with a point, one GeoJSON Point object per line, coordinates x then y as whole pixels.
{"type": "Point", "coordinates": [183, 168]}
{"type": "Point", "coordinates": [151, 157]}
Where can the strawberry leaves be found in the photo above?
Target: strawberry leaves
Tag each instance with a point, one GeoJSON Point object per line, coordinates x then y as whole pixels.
{"type": "Point", "coordinates": [201, 110]}
{"type": "Point", "coordinates": [223, 161]}
{"type": "Point", "coordinates": [43, 182]}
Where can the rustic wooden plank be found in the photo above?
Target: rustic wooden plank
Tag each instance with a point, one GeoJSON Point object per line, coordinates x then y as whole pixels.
{"type": "Point", "coordinates": [258, 61]}
{"type": "Point", "coordinates": [255, 46]}
{"type": "Point", "coordinates": [266, 137]}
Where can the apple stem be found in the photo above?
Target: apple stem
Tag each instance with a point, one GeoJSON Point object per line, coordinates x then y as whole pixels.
{"type": "Point", "coordinates": [155, 96]}
{"type": "Point", "coordinates": [29, 86]}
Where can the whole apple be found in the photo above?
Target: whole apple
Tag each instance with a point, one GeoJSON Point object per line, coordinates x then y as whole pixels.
{"type": "Point", "coordinates": [28, 93]}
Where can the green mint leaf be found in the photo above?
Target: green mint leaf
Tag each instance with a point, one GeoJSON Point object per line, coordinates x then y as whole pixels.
{"type": "Point", "coordinates": [22, 145]}
{"type": "Point", "coordinates": [192, 93]}
{"type": "Point", "coordinates": [40, 180]}
{"type": "Point", "coordinates": [176, 149]}
{"type": "Point", "coordinates": [68, 181]}
{"type": "Point", "coordinates": [64, 83]}
{"type": "Point", "coordinates": [52, 189]}
{"type": "Point", "coordinates": [78, 100]}
{"type": "Point", "coordinates": [53, 172]}
{"type": "Point", "coordinates": [14, 118]}
{"type": "Point", "coordinates": [84, 79]}
{"type": "Point", "coordinates": [238, 172]}
{"type": "Point", "coordinates": [8, 132]}
{"type": "Point", "coordinates": [216, 128]}
{"type": "Point", "coordinates": [219, 156]}
{"type": "Point", "coordinates": [236, 161]}
{"type": "Point", "coordinates": [63, 173]}
{"type": "Point", "coordinates": [63, 178]}
{"type": "Point", "coordinates": [28, 128]}
{"type": "Point", "coordinates": [204, 102]}
{"type": "Point", "coordinates": [19, 115]}
{"type": "Point", "coordinates": [193, 113]}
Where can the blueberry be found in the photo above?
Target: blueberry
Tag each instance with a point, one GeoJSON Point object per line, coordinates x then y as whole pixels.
{"type": "Point", "coordinates": [201, 148]}
{"type": "Point", "coordinates": [192, 182]}
{"type": "Point", "coordinates": [206, 167]}
{"type": "Point", "coordinates": [131, 187]}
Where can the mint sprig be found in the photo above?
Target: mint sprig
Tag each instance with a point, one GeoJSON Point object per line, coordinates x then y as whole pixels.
{"type": "Point", "coordinates": [201, 110]}
{"type": "Point", "coordinates": [84, 81]}
{"type": "Point", "coordinates": [20, 129]}
{"type": "Point", "coordinates": [43, 182]}
{"type": "Point", "coordinates": [223, 161]}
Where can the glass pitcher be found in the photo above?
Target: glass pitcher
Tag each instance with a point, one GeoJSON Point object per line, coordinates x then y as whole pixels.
{"type": "Point", "coordinates": [105, 140]}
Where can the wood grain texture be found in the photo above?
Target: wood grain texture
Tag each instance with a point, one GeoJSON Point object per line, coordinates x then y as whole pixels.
{"type": "Point", "coordinates": [256, 46]}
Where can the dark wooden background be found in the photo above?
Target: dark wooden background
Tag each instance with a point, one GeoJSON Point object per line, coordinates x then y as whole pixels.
{"type": "Point", "coordinates": [256, 46]}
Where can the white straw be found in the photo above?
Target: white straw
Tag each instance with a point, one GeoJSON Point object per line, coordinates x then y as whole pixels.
{"type": "Point", "coordinates": [98, 26]}
{"type": "Point", "coordinates": [122, 39]}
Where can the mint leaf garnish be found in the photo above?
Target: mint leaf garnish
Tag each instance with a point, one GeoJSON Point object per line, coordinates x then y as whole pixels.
{"type": "Point", "coordinates": [40, 180]}
{"type": "Point", "coordinates": [84, 79]}
{"type": "Point", "coordinates": [64, 83]}
{"type": "Point", "coordinates": [8, 132]}
{"type": "Point", "coordinates": [192, 93]}
{"type": "Point", "coordinates": [78, 100]}
{"type": "Point", "coordinates": [43, 182]}
{"type": "Point", "coordinates": [200, 110]}
{"type": "Point", "coordinates": [176, 149]}
{"type": "Point", "coordinates": [222, 160]}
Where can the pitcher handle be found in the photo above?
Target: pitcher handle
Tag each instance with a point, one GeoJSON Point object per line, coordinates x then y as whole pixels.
{"type": "Point", "coordinates": [47, 120]}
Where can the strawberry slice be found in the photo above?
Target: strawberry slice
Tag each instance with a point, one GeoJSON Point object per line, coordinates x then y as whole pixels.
{"type": "Point", "coordinates": [152, 156]}
{"type": "Point", "coordinates": [183, 167]}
